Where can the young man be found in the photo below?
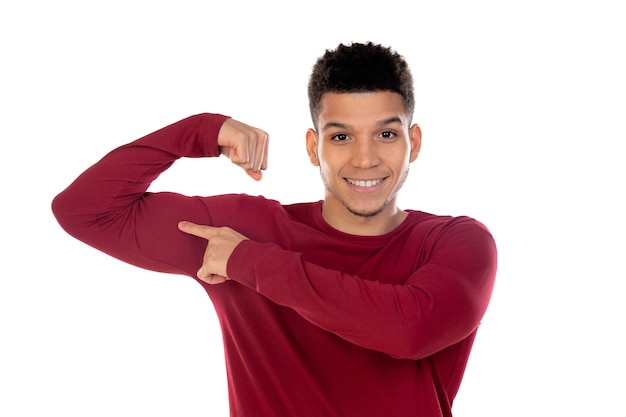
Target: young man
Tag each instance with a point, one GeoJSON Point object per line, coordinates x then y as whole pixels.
{"type": "Point", "coordinates": [344, 307]}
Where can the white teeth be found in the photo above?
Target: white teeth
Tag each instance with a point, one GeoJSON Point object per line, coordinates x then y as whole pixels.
{"type": "Point", "coordinates": [361, 183]}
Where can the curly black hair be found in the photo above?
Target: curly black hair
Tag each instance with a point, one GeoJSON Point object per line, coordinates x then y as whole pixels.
{"type": "Point", "coordinates": [357, 68]}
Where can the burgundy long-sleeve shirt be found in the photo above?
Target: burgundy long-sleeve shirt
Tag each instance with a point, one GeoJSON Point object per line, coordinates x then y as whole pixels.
{"type": "Point", "coordinates": [315, 322]}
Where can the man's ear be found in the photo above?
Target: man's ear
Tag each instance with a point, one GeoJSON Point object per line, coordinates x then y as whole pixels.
{"type": "Point", "coordinates": [415, 138]}
{"type": "Point", "coordinates": [311, 146]}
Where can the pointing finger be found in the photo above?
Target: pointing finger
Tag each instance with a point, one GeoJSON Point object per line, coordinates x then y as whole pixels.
{"type": "Point", "coordinates": [206, 232]}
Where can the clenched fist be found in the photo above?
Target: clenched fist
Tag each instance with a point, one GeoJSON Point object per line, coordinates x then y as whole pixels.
{"type": "Point", "coordinates": [246, 146]}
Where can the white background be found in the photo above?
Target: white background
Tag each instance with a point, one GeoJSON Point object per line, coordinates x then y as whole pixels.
{"type": "Point", "coordinates": [522, 106]}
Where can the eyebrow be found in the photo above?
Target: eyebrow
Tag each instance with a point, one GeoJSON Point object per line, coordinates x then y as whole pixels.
{"type": "Point", "coordinates": [384, 122]}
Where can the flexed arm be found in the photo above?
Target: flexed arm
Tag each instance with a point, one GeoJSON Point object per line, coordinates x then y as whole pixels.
{"type": "Point", "coordinates": [109, 208]}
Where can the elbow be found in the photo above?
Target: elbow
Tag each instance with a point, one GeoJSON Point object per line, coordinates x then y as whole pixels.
{"type": "Point", "coordinates": [412, 350]}
{"type": "Point", "coordinates": [59, 209]}
{"type": "Point", "coordinates": [64, 209]}
{"type": "Point", "coordinates": [419, 340]}
{"type": "Point", "coordinates": [421, 348]}
{"type": "Point", "coordinates": [413, 343]}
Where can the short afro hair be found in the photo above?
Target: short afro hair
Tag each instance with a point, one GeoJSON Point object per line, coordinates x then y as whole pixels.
{"type": "Point", "coordinates": [360, 68]}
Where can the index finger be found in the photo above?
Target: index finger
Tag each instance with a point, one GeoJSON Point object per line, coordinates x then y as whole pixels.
{"type": "Point", "coordinates": [199, 230]}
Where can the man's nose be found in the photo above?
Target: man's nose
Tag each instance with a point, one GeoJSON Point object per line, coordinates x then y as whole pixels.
{"type": "Point", "coordinates": [365, 154]}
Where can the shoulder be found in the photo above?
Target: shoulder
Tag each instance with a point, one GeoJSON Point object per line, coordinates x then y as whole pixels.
{"type": "Point", "coordinates": [461, 232]}
{"type": "Point", "coordinates": [459, 243]}
{"type": "Point", "coordinates": [442, 222]}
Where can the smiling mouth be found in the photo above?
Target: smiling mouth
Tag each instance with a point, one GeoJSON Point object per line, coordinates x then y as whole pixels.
{"type": "Point", "coordinates": [364, 183]}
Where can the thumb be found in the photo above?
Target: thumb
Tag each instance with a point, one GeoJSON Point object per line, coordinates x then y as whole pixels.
{"type": "Point", "coordinates": [205, 232]}
{"type": "Point", "coordinates": [238, 155]}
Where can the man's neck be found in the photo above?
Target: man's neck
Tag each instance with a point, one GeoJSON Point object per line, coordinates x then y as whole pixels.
{"type": "Point", "coordinates": [375, 225]}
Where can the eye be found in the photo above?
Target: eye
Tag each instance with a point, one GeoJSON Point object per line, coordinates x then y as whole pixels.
{"type": "Point", "coordinates": [339, 137]}
{"type": "Point", "coordinates": [388, 134]}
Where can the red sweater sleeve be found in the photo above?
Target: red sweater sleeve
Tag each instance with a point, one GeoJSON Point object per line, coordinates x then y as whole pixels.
{"type": "Point", "coordinates": [108, 207]}
{"type": "Point", "coordinates": [441, 303]}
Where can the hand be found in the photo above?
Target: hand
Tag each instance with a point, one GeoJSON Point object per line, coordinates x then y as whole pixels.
{"type": "Point", "coordinates": [246, 146]}
{"type": "Point", "coordinates": [221, 244]}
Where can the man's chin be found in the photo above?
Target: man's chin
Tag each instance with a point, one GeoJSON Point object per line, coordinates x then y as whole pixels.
{"type": "Point", "coordinates": [367, 213]}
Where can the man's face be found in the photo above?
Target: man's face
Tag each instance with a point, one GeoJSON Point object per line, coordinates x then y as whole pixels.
{"type": "Point", "coordinates": [363, 146]}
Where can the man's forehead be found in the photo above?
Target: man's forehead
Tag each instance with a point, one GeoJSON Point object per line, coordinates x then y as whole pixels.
{"type": "Point", "coordinates": [372, 108]}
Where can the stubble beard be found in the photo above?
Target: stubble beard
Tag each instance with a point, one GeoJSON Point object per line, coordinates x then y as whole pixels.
{"type": "Point", "coordinates": [366, 214]}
